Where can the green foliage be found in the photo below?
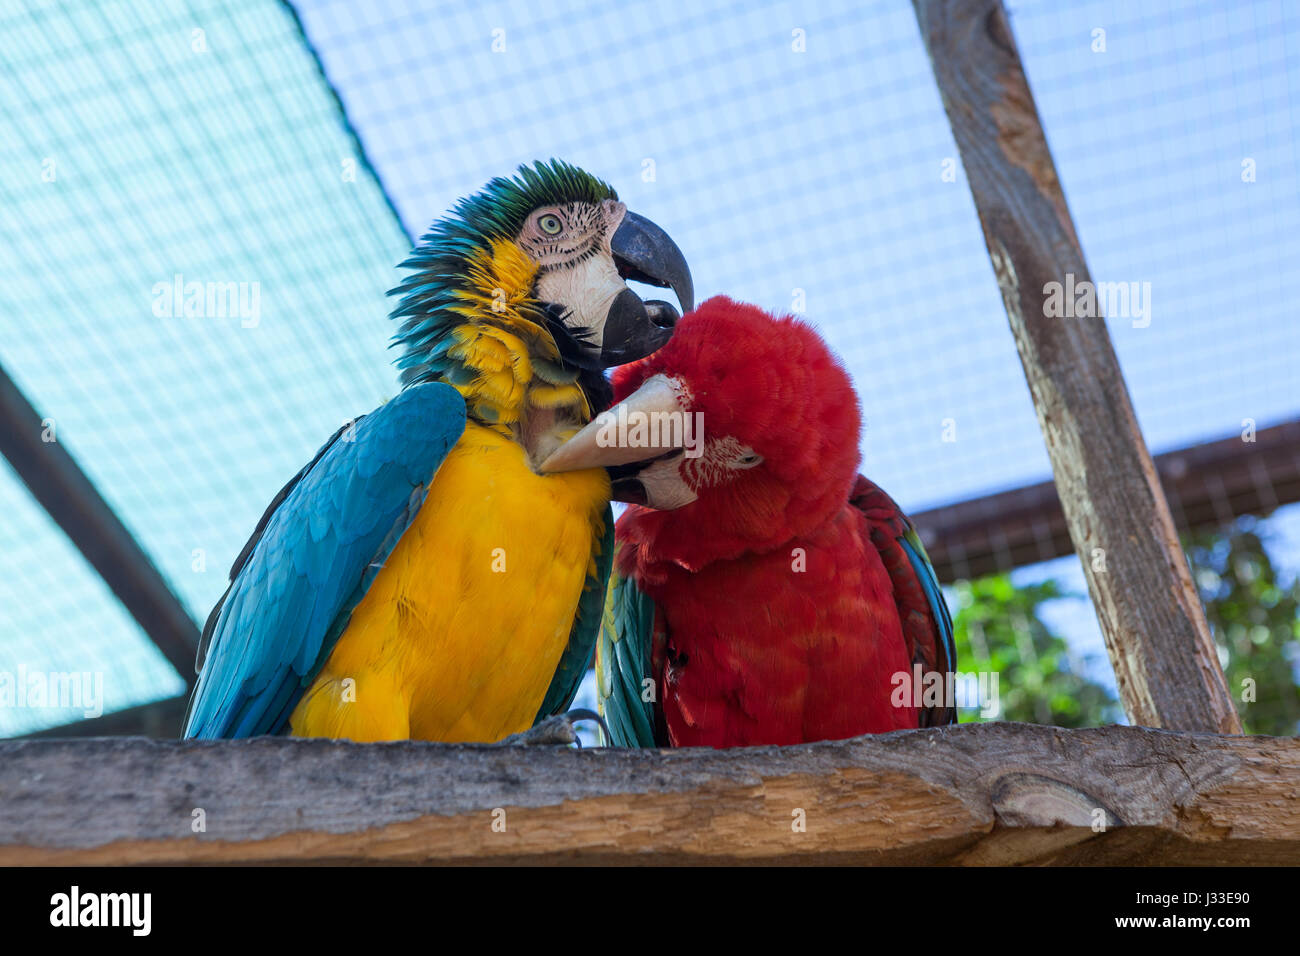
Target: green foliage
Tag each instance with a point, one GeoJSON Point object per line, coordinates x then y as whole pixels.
{"type": "Point", "coordinates": [1255, 618]}
{"type": "Point", "coordinates": [998, 629]}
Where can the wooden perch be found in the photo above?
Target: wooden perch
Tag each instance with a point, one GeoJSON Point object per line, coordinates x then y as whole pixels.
{"type": "Point", "coordinates": [1165, 662]}
{"type": "Point", "coordinates": [978, 793]}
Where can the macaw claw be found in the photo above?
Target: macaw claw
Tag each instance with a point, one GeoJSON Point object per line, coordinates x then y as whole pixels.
{"type": "Point", "coordinates": [555, 731]}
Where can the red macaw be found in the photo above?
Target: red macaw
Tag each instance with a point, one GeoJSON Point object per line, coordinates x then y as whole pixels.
{"type": "Point", "coordinates": [765, 592]}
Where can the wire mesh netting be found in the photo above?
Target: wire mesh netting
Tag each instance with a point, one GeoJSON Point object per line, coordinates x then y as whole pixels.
{"type": "Point", "coordinates": [1174, 131]}
{"type": "Point", "coordinates": [803, 156]}
{"type": "Point", "coordinates": [147, 147]}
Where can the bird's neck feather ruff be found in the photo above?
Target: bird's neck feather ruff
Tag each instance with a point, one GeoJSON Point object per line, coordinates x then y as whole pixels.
{"type": "Point", "coordinates": [472, 322]}
{"type": "Point", "coordinates": [728, 525]}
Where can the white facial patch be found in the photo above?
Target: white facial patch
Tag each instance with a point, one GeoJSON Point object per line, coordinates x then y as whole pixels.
{"type": "Point", "coordinates": [665, 488]}
{"type": "Point", "coordinates": [587, 289]}
{"type": "Point", "coordinates": [571, 244]}
{"type": "Point", "coordinates": [722, 458]}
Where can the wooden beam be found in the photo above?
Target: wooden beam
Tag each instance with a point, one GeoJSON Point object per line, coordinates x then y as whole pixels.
{"type": "Point", "coordinates": [58, 483]}
{"type": "Point", "coordinates": [1165, 662]}
{"type": "Point", "coordinates": [1206, 485]}
{"type": "Point", "coordinates": [162, 718]}
{"type": "Point", "coordinates": [977, 793]}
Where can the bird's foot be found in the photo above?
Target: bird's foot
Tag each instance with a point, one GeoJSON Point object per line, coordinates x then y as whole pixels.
{"type": "Point", "coordinates": [554, 731]}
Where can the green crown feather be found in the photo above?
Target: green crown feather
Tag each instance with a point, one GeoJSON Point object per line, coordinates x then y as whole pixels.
{"type": "Point", "coordinates": [498, 211]}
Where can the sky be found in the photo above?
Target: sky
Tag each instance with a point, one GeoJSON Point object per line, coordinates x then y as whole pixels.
{"type": "Point", "coordinates": [798, 153]}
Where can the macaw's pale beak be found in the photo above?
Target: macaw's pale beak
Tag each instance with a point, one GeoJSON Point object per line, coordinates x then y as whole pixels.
{"type": "Point", "coordinates": [644, 253]}
{"type": "Point", "coordinates": [648, 424]}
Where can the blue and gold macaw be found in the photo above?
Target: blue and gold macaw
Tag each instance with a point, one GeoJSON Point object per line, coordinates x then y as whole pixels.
{"type": "Point", "coordinates": [420, 578]}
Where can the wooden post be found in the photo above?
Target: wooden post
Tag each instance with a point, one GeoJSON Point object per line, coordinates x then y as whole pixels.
{"type": "Point", "coordinates": [1160, 645]}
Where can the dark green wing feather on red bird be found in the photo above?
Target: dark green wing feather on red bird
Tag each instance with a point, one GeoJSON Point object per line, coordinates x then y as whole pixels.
{"type": "Point", "coordinates": [927, 624]}
{"type": "Point", "coordinates": [626, 675]}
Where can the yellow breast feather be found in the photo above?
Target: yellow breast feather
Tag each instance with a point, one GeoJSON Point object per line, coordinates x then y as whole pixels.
{"type": "Point", "coordinates": [461, 632]}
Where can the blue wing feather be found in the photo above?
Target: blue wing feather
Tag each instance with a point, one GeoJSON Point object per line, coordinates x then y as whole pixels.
{"type": "Point", "coordinates": [924, 570]}
{"type": "Point", "coordinates": [933, 594]}
{"type": "Point", "coordinates": [312, 558]}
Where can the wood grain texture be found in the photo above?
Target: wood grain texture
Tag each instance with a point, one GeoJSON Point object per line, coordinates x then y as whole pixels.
{"type": "Point", "coordinates": [975, 794]}
{"type": "Point", "coordinates": [1159, 643]}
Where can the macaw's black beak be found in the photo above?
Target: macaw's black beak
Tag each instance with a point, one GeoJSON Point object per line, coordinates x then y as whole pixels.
{"type": "Point", "coordinates": [644, 253]}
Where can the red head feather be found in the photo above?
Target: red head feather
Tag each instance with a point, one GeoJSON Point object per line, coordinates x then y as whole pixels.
{"type": "Point", "coordinates": [773, 385]}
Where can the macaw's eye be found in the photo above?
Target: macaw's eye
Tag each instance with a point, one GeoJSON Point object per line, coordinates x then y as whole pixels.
{"type": "Point", "coordinates": [749, 460]}
{"type": "Point", "coordinates": [550, 224]}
